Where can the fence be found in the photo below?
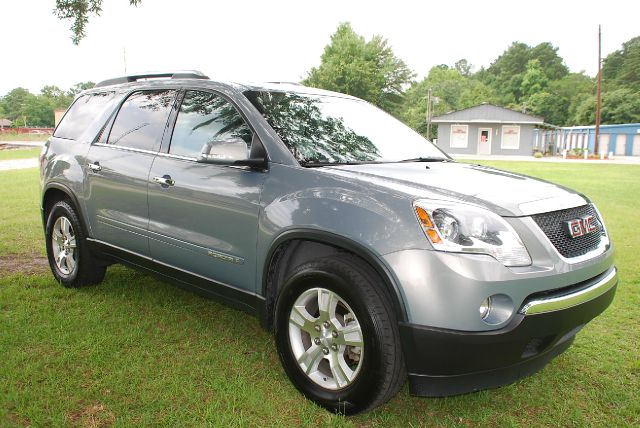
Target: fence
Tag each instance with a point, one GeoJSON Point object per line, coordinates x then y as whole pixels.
{"type": "Point", "coordinates": [22, 130]}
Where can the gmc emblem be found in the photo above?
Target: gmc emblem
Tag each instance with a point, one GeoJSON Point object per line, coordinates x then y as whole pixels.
{"type": "Point", "coordinates": [581, 226]}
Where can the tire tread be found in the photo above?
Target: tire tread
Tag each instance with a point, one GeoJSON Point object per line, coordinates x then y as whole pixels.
{"type": "Point", "coordinates": [376, 298]}
{"type": "Point", "coordinates": [90, 270]}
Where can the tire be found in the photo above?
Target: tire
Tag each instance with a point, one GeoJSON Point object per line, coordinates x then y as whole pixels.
{"type": "Point", "coordinates": [71, 261]}
{"type": "Point", "coordinates": [333, 370]}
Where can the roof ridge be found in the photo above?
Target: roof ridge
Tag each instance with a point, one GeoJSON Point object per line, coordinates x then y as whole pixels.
{"type": "Point", "coordinates": [510, 110]}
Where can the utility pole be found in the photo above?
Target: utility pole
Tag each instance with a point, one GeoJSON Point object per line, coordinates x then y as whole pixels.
{"type": "Point", "coordinates": [124, 59]}
{"type": "Point", "coordinates": [599, 92]}
{"type": "Point", "coordinates": [429, 115]}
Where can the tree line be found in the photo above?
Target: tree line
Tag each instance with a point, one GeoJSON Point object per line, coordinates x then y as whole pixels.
{"type": "Point", "coordinates": [531, 79]}
{"type": "Point", "coordinates": [23, 108]}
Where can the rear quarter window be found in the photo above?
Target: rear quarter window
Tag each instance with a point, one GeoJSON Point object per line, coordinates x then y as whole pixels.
{"type": "Point", "coordinates": [82, 114]}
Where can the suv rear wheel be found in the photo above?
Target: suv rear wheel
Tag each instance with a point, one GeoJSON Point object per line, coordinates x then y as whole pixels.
{"type": "Point", "coordinates": [70, 258]}
{"type": "Point", "coordinates": [336, 336]}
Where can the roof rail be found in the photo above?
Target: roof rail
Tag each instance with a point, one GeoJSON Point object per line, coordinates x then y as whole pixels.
{"type": "Point", "coordinates": [187, 74]}
{"type": "Point", "coordinates": [286, 83]}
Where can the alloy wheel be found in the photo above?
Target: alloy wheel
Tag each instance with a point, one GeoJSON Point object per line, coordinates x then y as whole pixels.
{"type": "Point", "coordinates": [326, 338]}
{"type": "Point", "coordinates": [64, 246]}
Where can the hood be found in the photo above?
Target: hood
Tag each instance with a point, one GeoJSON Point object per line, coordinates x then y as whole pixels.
{"type": "Point", "coordinates": [503, 192]}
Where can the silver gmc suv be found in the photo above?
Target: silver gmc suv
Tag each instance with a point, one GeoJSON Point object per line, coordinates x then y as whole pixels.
{"type": "Point", "coordinates": [370, 253]}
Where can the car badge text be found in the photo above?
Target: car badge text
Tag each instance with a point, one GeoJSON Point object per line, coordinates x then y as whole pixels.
{"type": "Point", "coordinates": [581, 226]}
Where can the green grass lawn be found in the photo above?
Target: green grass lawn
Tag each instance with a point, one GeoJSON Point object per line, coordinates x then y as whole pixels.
{"type": "Point", "coordinates": [19, 153]}
{"type": "Point", "coordinates": [137, 351]}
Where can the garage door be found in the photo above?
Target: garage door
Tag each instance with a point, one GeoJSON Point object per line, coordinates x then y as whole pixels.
{"type": "Point", "coordinates": [603, 147]}
{"type": "Point", "coordinates": [621, 144]}
{"type": "Point", "coordinates": [636, 145]}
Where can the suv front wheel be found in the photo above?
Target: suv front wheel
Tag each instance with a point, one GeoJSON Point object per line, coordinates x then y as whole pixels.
{"type": "Point", "coordinates": [70, 258]}
{"type": "Point", "coordinates": [336, 336]}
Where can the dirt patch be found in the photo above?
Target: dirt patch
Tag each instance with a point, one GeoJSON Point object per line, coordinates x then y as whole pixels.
{"type": "Point", "coordinates": [93, 416]}
{"type": "Point", "coordinates": [23, 264]}
{"type": "Point", "coordinates": [13, 419]}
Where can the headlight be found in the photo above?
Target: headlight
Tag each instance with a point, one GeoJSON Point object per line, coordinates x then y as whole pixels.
{"type": "Point", "coordinates": [466, 228]}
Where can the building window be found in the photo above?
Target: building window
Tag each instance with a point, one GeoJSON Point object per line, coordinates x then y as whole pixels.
{"type": "Point", "coordinates": [510, 137]}
{"type": "Point", "coordinates": [459, 136]}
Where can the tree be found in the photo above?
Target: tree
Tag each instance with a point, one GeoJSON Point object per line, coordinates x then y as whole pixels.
{"type": "Point", "coordinates": [368, 70]}
{"type": "Point", "coordinates": [621, 69]}
{"type": "Point", "coordinates": [80, 11]}
{"type": "Point", "coordinates": [463, 67]}
{"type": "Point", "coordinates": [25, 108]}
{"type": "Point", "coordinates": [555, 101]}
{"type": "Point", "coordinates": [451, 90]}
{"type": "Point", "coordinates": [550, 62]}
{"type": "Point", "coordinates": [79, 87]}
{"type": "Point", "coordinates": [533, 79]}
{"type": "Point", "coordinates": [507, 72]}
{"type": "Point", "coordinates": [15, 103]}
{"type": "Point", "coordinates": [56, 96]}
{"type": "Point", "coordinates": [574, 88]}
{"type": "Point", "coordinates": [619, 106]}
{"type": "Point", "coordinates": [548, 106]}
{"type": "Point", "coordinates": [39, 111]}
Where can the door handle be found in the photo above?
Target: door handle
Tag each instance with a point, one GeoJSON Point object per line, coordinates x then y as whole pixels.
{"type": "Point", "coordinates": [165, 180]}
{"type": "Point", "coordinates": [94, 167]}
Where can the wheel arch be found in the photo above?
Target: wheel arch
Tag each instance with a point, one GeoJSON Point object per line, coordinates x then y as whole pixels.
{"type": "Point", "coordinates": [315, 243]}
{"type": "Point", "coordinates": [54, 192]}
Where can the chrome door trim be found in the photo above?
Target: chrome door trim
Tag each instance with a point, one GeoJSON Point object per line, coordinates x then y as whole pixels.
{"type": "Point", "coordinates": [126, 149]}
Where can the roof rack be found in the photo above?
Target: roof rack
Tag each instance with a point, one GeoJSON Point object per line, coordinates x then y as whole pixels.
{"type": "Point", "coordinates": [187, 74]}
{"type": "Point", "coordinates": [286, 83]}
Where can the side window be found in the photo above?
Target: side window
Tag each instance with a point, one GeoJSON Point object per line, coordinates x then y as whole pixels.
{"type": "Point", "coordinates": [81, 114]}
{"type": "Point", "coordinates": [206, 119]}
{"type": "Point", "coordinates": [141, 120]}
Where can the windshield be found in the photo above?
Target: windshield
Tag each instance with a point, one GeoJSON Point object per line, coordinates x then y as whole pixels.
{"type": "Point", "coordinates": [333, 129]}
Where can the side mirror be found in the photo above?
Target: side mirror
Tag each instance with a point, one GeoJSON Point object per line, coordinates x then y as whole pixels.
{"type": "Point", "coordinates": [224, 151]}
{"type": "Point", "coordinates": [233, 151]}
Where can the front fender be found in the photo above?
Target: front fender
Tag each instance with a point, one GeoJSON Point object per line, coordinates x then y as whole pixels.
{"type": "Point", "coordinates": [303, 203]}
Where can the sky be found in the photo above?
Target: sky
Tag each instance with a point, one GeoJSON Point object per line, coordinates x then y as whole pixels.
{"type": "Point", "coordinates": [252, 40]}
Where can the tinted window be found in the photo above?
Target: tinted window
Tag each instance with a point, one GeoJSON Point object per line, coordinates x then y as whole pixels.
{"type": "Point", "coordinates": [141, 120]}
{"type": "Point", "coordinates": [204, 118]}
{"type": "Point", "coordinates": [334, 129]}
{"type": "Point", "coordinates": [81, 114]}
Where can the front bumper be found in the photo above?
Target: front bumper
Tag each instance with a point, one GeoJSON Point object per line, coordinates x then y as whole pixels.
{"type": "Point", "coordinates": [444, 362]}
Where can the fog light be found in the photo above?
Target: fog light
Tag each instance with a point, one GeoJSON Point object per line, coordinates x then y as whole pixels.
{"type": "Point", "coordinates": [485, 308]}
{"type": "Point", "coordinates": [496, 309]}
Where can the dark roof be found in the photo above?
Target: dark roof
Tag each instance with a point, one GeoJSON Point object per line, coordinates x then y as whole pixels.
{"type": "Point", "coordinates": [487, 113]}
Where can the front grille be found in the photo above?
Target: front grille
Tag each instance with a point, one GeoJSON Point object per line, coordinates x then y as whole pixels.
{"type": "Point", "coordinates": [553, 225]}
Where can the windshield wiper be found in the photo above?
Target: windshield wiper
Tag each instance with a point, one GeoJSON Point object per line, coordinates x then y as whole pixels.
{"type": "Point", "coordinates": [318, 164]}
{"type": "Point", "coordinates": [426, 159]}
{"type": "Point", "coordinates": [312, 164]}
